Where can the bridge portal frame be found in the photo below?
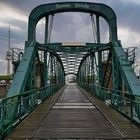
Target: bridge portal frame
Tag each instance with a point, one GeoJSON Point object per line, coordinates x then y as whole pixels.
{"type": "Point", "coordinates": [100, 10]}
{"type": "Point", "coordinates": [26, 71]}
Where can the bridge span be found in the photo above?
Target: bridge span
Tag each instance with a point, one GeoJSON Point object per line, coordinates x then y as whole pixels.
{"type": "Point", "coordinates": [72, 113]}
{"type": "Point", "coordinates": [104, 103]}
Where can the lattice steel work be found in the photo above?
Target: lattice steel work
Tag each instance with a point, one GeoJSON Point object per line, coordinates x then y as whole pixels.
{"type": "Point", "coordinates": [43, 66]}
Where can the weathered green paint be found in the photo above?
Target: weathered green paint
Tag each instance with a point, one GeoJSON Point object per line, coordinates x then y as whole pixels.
{"type": "Point", "coordinates": [98, 29]}
{"type": "Point", "coordinates": [58, 47]}
{"type": "Point", "coordinates": [47, 9]}
{"type": "Point", "coordinates": [24, 68]}
{"type": "Point", "coordinates": [124, 66]}
{"type": "Point", "coordinates": [52, 71]}
{"type": "Point", "coordinates": [45, 53]}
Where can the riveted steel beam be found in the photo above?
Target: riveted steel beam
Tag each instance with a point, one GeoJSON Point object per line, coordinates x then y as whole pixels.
{"type": "Point", "coordinates": [48, 9]}
{"type": "Point", "coordinates": [57, 47]}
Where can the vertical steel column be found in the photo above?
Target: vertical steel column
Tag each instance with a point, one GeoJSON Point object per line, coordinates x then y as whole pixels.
{"type": "Point", "coordinates": [51, 75]}
{"type": "Point", "coordinates": [98, 29]}
{"type": "Point", "coordinates": [117, 80]}
{"type": "Point", "coordinates": [45, 53]}
{"type": "Point", "coordinates": [54, 62]}
{"type": "Point", "coordinates": [62, 76]}
{"type": "Point", "coordinates": [79, 79]}
{"type": "Point", "coordinates": [100, 76]}
{"type": "Point", "coordinates": [34, 74]}
{"type": "Point", "coordinates": [80, 75]}
{"type": "Point", "coordinates": [58, 71]}
{"type": "Point", "coordinates": [88, 71]}
{"type": "Point", "coordinates": [81, 69]}
{"type": "Point", "coordinates": [45, 69]}
{"type": "Point", "coordinates": [114, 73]}
{"type": "Point", "coordinates": [92, 68]}
{"type": "Point", "coordinates": [85, 71]}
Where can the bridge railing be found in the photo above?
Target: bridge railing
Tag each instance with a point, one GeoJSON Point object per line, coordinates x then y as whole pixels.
{"type": "Point", "coordinates": [14, 109]}
{"type": "Point", "coordinates": [122, 101]}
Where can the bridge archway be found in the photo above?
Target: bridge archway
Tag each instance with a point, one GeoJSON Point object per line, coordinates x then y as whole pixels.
{"type": "Point", "coordinates": [78, 27]}
{"type": "Point", "coordinates": [49, 9]}
{"type": "Point", "coordinates": [117, 65]}
{"type": "Point", "coordinates": [70, 78]}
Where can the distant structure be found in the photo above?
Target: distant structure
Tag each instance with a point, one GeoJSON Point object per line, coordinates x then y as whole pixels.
{"type": "Point", "coordinates": [131, 54]}
{"type": "Point", "coordinates": [5, 79]}
{"type": "Point", "coordinates": [8, 55]}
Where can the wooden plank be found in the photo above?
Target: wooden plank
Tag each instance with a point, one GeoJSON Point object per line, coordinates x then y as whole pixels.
{"type": "Point", "coordinates": [28, 127]}
{"type": "Point", "coordinates": [73, 122]}
{"type": "Point", "coordinates": [122, 124]}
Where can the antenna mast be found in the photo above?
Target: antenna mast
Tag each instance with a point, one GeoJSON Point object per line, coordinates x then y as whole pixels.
{"type": "Point", "coordinates": [8, 56]}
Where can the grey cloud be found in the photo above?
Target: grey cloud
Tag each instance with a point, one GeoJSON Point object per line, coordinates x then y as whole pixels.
{"type": "Point", "coordinates": [64, 22]}
{"type": "Point", "coordinates": [3, 40]}
{"type": "Point", "coordinates": [2, 67]}
{"type": "Point", "coordinates": [63, 29]}
{"type": "Point", "coordinates": [70, 26]}
{"type": "Point", "coordinates": [26, 6]}
{"type": "Point", "coordinates": [125, 13]}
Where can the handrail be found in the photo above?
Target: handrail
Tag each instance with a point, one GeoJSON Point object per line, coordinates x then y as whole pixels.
{"type": "Point", "coordinates": [122, 101]}
{"type": "Point", "coordinates": [14, 109]}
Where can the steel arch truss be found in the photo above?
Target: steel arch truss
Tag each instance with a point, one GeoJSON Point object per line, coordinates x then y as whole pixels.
{"type": "Point", "coordinates": [37, 69]}
{"type": "Point", "coordinates": [103, 69]}
{"type": "Point", "coordinates": [93, 70]}
{"type": "Point", "coordinates": [108, 75]}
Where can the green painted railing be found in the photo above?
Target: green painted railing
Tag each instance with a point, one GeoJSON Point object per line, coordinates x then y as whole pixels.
{"type": "Point", "coordinates": [124, 102]}
{"type": "Point", "coordinates": [16, 108]}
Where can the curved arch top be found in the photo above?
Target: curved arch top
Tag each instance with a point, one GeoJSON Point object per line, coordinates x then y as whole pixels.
{"type": "Point", "coordinates": [47, 9]}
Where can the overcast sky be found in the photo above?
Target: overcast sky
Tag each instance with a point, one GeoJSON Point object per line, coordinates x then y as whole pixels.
{"type": "Point", "coordinates": [66, 26]}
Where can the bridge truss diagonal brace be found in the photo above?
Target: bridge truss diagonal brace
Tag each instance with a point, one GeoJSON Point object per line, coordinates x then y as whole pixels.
{"type": "Point", "coordinates": [126, 70]}
{"type": "Point", "coordinates": [23, 70]}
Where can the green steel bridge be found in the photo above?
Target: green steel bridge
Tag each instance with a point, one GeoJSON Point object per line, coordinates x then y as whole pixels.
{"type": "Point", "coordinates": [103, 103]}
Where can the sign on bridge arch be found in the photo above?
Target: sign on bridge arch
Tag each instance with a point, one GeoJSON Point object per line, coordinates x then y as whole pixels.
{"type": "Point", "coordinates": [75, 5]}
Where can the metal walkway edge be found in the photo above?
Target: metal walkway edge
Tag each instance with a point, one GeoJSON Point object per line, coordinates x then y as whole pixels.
{"type": "Point", "coordinates": [74, 116]}
{"type": "Point", "coordinates": [125, 127]}
{"type": "Point", "coordinates": [28, 127]}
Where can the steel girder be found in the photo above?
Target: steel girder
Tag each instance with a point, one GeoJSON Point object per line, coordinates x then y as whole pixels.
{"type": "Point", "coordinates": [117, 68]}
{"type": "Point", "coordinates": [107, 71]}
{"type": "Point", "coordinates": [22, 73]}
{"type": "Point", "coordinates": [48, 9]}
{"type": "Point", "coordinates": [125, 69]}
{"type": "Point", "coordinates": [33, 70]}
{"type": "Point", "coordinates": [87, 47]}
{"type": "Point", "coordinates": [88, 70]}
{"type": "Point", "coordinates": [90, 67]}
{"type": "Point", "coordinates": [71, 54]}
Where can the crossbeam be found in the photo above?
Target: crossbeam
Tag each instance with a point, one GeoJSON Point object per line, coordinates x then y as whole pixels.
{"type": "Point", "coordinates": [58, 47]}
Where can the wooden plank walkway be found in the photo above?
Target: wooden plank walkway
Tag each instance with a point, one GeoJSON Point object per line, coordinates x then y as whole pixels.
{"type": "Point", "coordinates": [126, 128]}
{"type": "Point", "coordinates": [28, 127]}
{"type": "Point", "coordinates": [73, 116]}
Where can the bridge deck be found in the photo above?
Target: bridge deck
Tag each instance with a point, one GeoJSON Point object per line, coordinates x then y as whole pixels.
{"type": "Point", "coordinates": [74, 116]}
